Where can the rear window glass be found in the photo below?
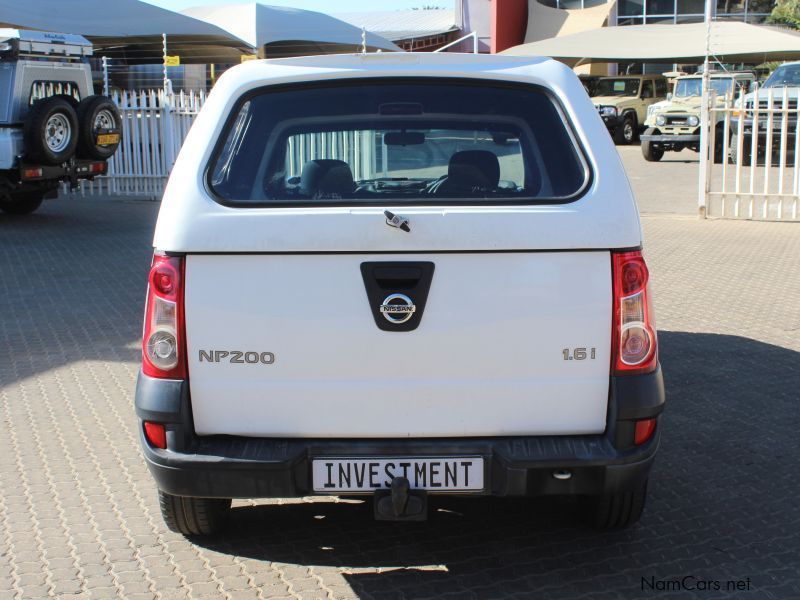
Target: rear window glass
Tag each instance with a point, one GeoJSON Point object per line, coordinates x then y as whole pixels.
{"type": "Point", "coordinates": [404, 141]}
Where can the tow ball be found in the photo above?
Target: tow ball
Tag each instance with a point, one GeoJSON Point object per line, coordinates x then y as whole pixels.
{"type": "Point", "coordinates": [400, 502]}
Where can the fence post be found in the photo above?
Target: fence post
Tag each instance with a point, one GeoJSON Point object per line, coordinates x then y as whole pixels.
{"type": "Point", "coordinates": [167, 131]}
{"type": "Point", "coordinates": [702, 188]}
{"type": "Point", "coordinates": [164, 60]}
{"type": "Point", "coordinates": [105, 76]}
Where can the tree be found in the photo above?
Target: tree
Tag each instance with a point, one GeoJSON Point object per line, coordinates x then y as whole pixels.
{"type": "Point", "coordinates": [786, 13]}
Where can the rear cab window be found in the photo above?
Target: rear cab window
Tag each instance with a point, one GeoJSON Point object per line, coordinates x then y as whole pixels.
{"type": "Point", "coordinates": [365, 142]}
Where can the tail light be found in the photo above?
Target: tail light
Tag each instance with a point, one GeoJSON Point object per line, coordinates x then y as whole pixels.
{"type": "Point", "coordinates": [634, 343]}
{"type": "Point", "coordinates": [98, 167]}
{"type": "Point", "coordinates": [32, 173]}
{"type": "Point", "coordinates": [164, 339]}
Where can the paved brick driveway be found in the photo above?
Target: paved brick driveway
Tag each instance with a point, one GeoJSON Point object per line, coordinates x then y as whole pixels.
{"type": "Point", "coordinates": [78, 512]}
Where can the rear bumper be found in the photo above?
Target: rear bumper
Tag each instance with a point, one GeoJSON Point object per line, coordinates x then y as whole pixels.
{"type": "Point", "coordinates": [236, 467]}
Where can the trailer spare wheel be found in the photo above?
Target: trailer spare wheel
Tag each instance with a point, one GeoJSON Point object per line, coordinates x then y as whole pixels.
{"type": "Point", "coordinates": [51, 131]}
{"type": "Point", "coordinates": [100, 128]}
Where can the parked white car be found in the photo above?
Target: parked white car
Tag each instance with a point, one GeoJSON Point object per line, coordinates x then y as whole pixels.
{"type": "Point", "coordinates": [395, 276]}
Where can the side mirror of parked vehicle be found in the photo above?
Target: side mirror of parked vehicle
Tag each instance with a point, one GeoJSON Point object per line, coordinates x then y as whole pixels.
{"type": "Point", "coordinates": [669, 96]}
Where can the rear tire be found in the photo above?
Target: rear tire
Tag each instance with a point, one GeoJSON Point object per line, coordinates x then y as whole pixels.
{"type": "Point", "coordinates": [51, 131]}
{"type": "Point", "coordinates": [96, 113]}
{"type": "Point", "coordinates": [618, 510]}
{"type": "Point", "coordinates": [194, 516]}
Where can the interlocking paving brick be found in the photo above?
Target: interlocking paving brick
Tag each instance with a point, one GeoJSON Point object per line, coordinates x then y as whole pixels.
{"type": "Point", "coordinates": [78, 511]}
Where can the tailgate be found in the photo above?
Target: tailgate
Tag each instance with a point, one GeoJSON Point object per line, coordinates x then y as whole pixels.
{"type": "Point", "coordinates": [289, 345]}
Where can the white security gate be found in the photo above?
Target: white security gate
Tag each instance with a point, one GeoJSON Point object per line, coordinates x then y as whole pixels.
{"type": "Point", "coordinates": [154, 125]}
{"type": "Point", "coordinates": [755, 174]}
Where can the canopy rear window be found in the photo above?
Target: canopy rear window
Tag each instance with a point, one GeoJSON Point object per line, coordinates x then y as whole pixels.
{"type": "Point", "coordinates": [406, 141]}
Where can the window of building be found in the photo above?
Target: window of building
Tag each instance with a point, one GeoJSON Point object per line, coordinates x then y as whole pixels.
{"type": "Point", "coordinates": [688, 7]}
{"type": "Point", "coordinates": [660, 7]}
{"type": "Point", "coordinates": [630, 8]}
{"type": "Point", "coordinates": [630, 21]}
{"type": "Point", "coordinates": [637, 12]}
{"type": "Point", "coordinates": [572, 4]}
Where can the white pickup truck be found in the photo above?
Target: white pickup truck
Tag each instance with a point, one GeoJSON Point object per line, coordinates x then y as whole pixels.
{"type": "Point", "coordinates": [398, 275]}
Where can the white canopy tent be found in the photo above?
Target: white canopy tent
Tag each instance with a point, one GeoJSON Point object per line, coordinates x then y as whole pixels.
{"type": "Point", "coordinates": [276, 31]}
{"type": "Point", "coordinates": [731, 41]}
{"type": "Point", "coordinates": [127, 29]}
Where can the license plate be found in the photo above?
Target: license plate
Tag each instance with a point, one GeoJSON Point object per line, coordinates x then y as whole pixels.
{"type": "Point", "coordinates": [454, 473]}
{"type": "Point", "coordinates": [107, 138]}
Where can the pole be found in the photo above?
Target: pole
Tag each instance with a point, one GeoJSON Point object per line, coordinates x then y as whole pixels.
{"type": "Point", "coordinates": [167, 140]}
{"type": "Point", "coordinates": [702, 188]}
{"type": "Point", "coordinates": [164, 59]}
{"type": "Point", "coordinates": [105, 76]}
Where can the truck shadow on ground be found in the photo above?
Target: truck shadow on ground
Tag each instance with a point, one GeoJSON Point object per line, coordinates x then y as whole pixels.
{"type": "Point", "coordinates": [722, 504]}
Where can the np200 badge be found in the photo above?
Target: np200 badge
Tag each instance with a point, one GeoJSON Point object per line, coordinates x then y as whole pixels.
{"type": "Point", "coordinates": [238, 357]}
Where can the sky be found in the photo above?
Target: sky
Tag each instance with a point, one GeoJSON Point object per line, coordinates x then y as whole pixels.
{"type": "Point", "coordinates": [326, 6]}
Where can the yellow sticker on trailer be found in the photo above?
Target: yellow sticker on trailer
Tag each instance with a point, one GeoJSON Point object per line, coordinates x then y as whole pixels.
{"type": "Point", "coordinates": [172, 61]}
{"type": "Point", "coordinates": [107, 138]}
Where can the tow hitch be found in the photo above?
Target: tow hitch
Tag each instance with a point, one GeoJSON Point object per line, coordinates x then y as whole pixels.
{"type": "Point", "coordinates": [401, 503]}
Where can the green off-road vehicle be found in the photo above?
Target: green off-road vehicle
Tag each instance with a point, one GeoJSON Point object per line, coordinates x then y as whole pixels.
{"type": "Point", "coordinates": [675, 124]}
{"type": "Point", "coordinates": [623, 102]}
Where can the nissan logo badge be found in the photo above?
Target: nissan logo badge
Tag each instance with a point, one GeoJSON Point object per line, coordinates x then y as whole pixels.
{"type": "Point", "coordinates": [397, 308]}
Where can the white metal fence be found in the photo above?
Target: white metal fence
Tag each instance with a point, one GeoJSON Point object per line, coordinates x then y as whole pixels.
{"type": "Point", "coordinates": [154, 125]}
{"type": "Point", "coordinates": [756, 174]}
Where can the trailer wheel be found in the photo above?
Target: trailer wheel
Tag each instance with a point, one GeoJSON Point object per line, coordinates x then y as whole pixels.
{"type": "Point", "coordinates": [71, 99]}
{"type": "Point", "coordinates": [97, 116]}
{"type": "Point", "coordinates": [21, 203]}
{"type": "Point", "coordinates": [51, 131]}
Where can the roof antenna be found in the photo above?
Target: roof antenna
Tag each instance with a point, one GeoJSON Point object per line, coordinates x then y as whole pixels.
{"type": "Point", "coordinates": [363, 40]}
